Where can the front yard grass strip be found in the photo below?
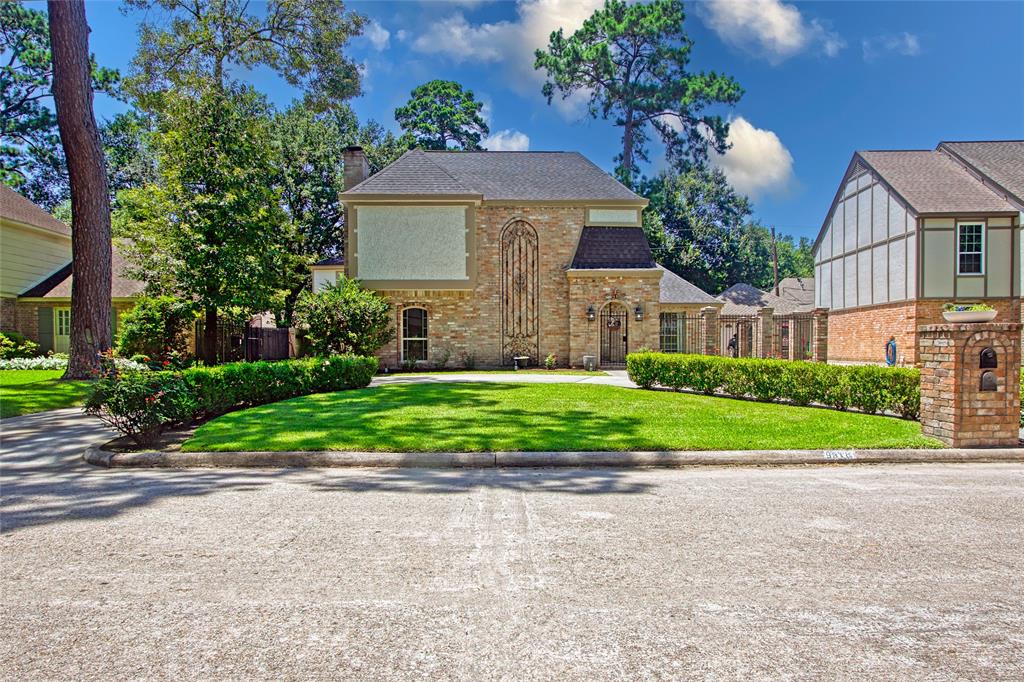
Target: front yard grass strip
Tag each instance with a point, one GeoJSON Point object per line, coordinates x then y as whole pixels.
{"type": "Point", "coordinates": [479, 417]}
{"type": "Point", "coordinates": [531, 370]}
{"type": "Point", "coordinates": [24, 391]}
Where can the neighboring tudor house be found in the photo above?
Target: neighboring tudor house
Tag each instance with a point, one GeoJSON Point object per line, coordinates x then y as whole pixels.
{"type": "Point", "coordinates": [491, 255]}
{"type": "Point", "coordinates": [911, 230]}
{"type": "Point", "coordinates": [35, 274]}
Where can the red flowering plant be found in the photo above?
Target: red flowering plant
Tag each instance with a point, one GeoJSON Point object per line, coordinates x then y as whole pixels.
{"type": "Point", "coordinates": [141, 405]}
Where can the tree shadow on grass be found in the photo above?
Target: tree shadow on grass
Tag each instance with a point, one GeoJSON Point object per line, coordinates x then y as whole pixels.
{"type": "Point", "coordinates": [476, 418]}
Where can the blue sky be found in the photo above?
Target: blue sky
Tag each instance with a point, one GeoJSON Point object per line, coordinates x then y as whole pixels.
{"type": "Point", "coordinates": [822, 79]}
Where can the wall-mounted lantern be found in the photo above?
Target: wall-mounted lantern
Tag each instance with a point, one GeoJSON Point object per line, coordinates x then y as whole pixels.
{"type": "Point", "coordinates": [591, 313]}
{"type": "Point", "coordinates": [639, 312]}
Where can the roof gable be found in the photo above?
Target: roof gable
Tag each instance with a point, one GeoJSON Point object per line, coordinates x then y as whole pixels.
{"type": "Point", "coordinates": [496, 176]}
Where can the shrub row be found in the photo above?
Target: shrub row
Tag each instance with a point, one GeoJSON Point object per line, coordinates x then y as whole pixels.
{"type": "Point", "coordinates": [141, 405]}
{"type": "Point", "coordinates": [867, 388]}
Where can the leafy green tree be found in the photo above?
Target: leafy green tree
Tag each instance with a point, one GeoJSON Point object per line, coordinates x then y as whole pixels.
{"type": "Point", "coordinates": [211, 229]}
{"type": "Point", "coordinates": [440, 113]}
{"type": "Point", "coordinates": [128, 143]}
{"type": "Point", "coordinates": [157, 327]}
{"type": "Point", "coordinates": [190, 44]}
{"type": "Point", "coordinates": [344, 318]}
{"type": "Point", "coordinates": [632, 59]}
{"type": "Point", "coordinates": [31, 158]}
{"type": "Point", "coordinates": [310, 145]}
{"type": "Point", "coordinates": [699, 227]}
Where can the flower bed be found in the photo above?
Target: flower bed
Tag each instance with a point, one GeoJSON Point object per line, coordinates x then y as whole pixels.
{"type": "Point", "coordinates": [61, 362]}
{"type": "Point", "coordinates": [866, 388]}
{"type": "Point", "coordinates": [143, 404]}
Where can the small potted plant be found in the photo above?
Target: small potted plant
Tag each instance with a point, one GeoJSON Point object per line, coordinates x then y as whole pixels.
{"type": "Point", "coordinates": [968, 312]}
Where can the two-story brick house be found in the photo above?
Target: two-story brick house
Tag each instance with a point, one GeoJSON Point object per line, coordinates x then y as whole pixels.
{"type": "Point", "coordinates": [910, 230]}
{"type": "Point", "coordinates": [493, 255]}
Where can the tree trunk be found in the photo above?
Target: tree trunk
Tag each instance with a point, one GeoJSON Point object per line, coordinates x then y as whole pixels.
{"type": "Point", "coordinates": [627, 151]}
{"type": "Point", "coordinates": [210, 336]}
{"type": "Point", "coordinates": [90, 201]}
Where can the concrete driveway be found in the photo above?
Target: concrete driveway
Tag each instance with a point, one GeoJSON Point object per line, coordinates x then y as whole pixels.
{"type": "Point", "coordinates": [894, 572]}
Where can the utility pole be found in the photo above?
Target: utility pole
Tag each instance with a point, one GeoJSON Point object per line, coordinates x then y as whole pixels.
{"type": "Point", "coordinates": [775, 262]}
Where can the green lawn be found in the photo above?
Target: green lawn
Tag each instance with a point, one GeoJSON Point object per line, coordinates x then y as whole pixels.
{"type": "Point", "coordinates": [474, 417]}
{"type": "Point", "coordinates": [531, 370]}
{"type": "Point", "coordinates": [33, 390]}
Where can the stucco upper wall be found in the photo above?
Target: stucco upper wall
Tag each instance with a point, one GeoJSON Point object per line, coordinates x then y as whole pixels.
{"type": "Point", "coordinates": [867, 251]}
{"type": "Point", "coordinates": [939, 278]}
{"type": "Point", "coordinates": [28, 256]}
{"type": "Point", "coordinates": [394, 243]}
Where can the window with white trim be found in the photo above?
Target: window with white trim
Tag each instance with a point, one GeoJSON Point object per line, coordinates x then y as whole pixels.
{"type": "Point", "coordinates": [414, 334]}
{"type": "Point", "coordinates": [970, 248]}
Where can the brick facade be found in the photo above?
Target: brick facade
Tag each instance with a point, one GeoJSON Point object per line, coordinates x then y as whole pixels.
{"type": "Point", "coordinates": [860, 334]}
{"type": "Point", "coordinates": [955, 405]}
{"type": "Point", "coordinates": [8, 314]}
{"type": "Point", "coordinates": [25, 314]}
{"type": "Point", "coordinates": [599, 291]}
{"type": "Point", "coordinates": [462, 323]}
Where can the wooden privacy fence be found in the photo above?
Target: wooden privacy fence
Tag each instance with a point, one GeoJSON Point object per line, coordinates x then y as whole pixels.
{"type": "Point", "coordinates": [248, 341]}
{"type": "Point", "coordinates": [789, 336]}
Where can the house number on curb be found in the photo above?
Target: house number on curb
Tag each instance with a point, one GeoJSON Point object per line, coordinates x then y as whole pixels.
{"type": "Point", "coordinates": [838, 455]}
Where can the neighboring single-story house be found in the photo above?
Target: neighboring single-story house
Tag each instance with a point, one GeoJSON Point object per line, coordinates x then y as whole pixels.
{"type": "Point", "coordinates": [36, 274]}
{"type": "Point", "coordinates": [909, 231]}
{"type": "Point", "coordinates": [486, 256]}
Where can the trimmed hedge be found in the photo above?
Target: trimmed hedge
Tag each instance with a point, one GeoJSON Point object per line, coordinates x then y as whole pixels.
{"type": "Point", "coordinates": [142, 406]}
{"type": "Point", "coordinates": [866, 388]}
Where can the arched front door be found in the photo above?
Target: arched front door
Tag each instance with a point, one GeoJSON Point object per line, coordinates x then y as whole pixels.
{"type": "Point", "coordinates": [614, 334]}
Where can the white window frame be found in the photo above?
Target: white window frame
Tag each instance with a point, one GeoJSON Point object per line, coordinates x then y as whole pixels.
{"type": "Point", "coordinates": [424, 339]}
{"type": "Point", "coordinates": [984, 236]}
{"type": "Point", "coordinates": [58, 313]}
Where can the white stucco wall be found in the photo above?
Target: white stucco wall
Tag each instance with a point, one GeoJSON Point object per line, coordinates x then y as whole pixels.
{"type": "Point", "coordinates": [322, 278]}
{"type": "Point", "coordinates": [862, 258]}
{"type": "Point", "coordinates": [411, 243]}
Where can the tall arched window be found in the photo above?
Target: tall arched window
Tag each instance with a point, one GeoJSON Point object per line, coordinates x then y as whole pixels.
{"type": "Point", "coordinates": [414, 334]}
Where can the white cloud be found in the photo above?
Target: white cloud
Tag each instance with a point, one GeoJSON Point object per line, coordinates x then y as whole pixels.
{"type": "Point", "coordinates": [378, 36]}
{"type": "Point", "coordinates": [506, 141]}
{"type": "Point", "coordinates": [511, 43]}
{"type": "Point", "coordinates": [757, 162]}
{"type": "Point", "coordinates": [401, 34]}
{"type": "Point", "coordinates": [904, 44]}
{"type": "Point", "coordinates": [769, 28]}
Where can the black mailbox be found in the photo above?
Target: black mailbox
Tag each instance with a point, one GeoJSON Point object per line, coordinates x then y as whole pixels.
{"type": "Point", "coordinates": [988, 359]}
{"type": "Point", "coordinates": [988, 381]}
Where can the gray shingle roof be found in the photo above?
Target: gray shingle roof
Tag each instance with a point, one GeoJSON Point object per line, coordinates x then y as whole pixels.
{"type": "Point", "coordinates": [510, 176]}
{"type": "Point", "coordinates": [799, 290]}
{"type": "Point", "coordinates": [612, 247]}
{"type": "Point", "coordinates": [746, 299]}
{"type": "Point", "coordinates": [932, 182]}
{"type": "Point", "coordinates": [675, 289]}
{"type": "Point", "coordinates": [15, 207]}
{"type": "Point", "coordinates": [1001, 160]}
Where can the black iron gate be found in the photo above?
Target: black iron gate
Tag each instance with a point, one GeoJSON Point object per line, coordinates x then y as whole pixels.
{"type": "Point", "coordinates": [614, 334]}
{"type": "Point", "coordinates": [520, 285]}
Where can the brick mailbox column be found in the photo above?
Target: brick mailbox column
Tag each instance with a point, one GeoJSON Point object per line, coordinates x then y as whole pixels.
{"type": "Point", "coordinates": [712, 331]}
{"type": "Point", "coordinates": [970, 383]}
{"type": "Point", "coordinates": [819, 335]}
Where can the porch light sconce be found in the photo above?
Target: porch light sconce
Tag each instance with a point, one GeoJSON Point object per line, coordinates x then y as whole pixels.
{"type": "Point", "coordinates": [591, 313]}
{"type": "Point", "coordinates": [639, 312]}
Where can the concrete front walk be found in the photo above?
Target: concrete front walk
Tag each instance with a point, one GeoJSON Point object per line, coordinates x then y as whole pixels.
{"type": "Point", "coordinates": [886, 572]}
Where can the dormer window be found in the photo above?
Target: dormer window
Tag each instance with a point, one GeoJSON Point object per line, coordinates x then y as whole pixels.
{"type": "Point", "coordinates": [970, 250]}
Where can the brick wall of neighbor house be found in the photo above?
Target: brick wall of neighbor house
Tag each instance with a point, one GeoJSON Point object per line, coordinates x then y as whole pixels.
{"type": "Point", "coordinates": [8, 315]}
{"type": "Point", "coordinates": [470, 321]}
{"type": "Point", "coordinates": [599, 291]}
{"type": "Point", "coordinates": [27, 315]}
{"type": "Point", "coordinates": [860, 334]}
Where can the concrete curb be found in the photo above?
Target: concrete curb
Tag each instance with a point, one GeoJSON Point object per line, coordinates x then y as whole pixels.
{"type": "Point", "coordinates": [97, 456]}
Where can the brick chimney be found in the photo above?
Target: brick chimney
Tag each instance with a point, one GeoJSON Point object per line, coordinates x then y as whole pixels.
{"type": "Point", "coordinates": [356, 167]}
